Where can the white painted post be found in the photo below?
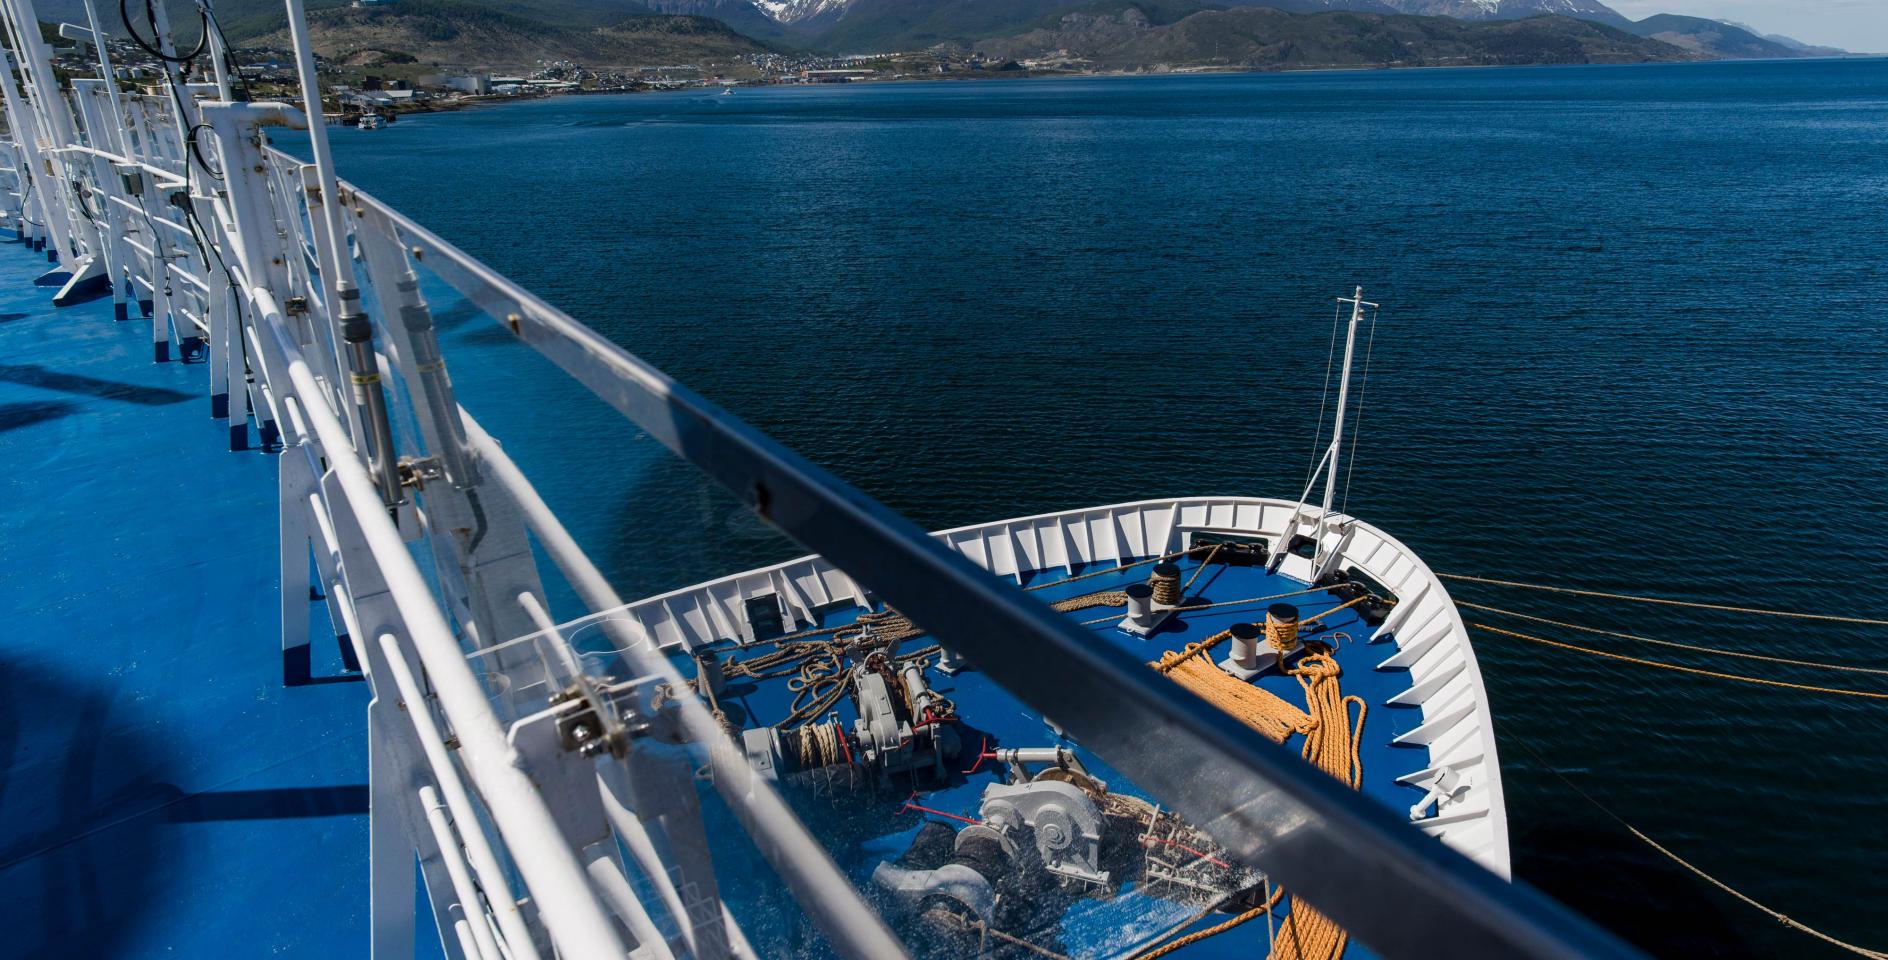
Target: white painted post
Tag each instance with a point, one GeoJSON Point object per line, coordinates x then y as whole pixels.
{"type": "Point", "coordinates": [219, 56]}
{"type": "Point", "coordinates": [341, 270]}
{"type": "Point", "coordinates": [100, 132]}
{"type": "Point", "coordinates": [161, 292]}
{"type": "Point", "coordinates": [25, 125]}
{"type": "Point", "coordinates": [1334, 454]}
{"type": "Point", "coordinates": [121, 133]}
{"type": "Point", "coordinates": [293, 486]}
{"type": "Point", "coordinates": [36, 61]}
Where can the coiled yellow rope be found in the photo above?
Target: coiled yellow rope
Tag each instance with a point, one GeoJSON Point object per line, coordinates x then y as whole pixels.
{"type": "Point", "coordinates": [1253, 706]}
{"type": "Point", "coordinates": [1331, 744]}
{"type": "Point", "coordinates": [1661, 600]}
{"type": "Point", "coordinates": [1281, 635]}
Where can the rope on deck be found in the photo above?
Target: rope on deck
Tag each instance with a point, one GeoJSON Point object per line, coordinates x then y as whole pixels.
{"type": "Point", "coordinates": [1212, 931]}
{"type": "Point", "coordinates": [1191, 607]}
{"type": "Point", "coordinates": [1661, 600]}
{"type": "Point", "coordinates": [1253, 706]}
{"type": "Point", "coordinates": [1740, 678]}
{"type": "Point", "coordinates": [1106, 598]}
{"type": "Point", "coordinates": [1331, 744]}
{"type": "Point", "coordinates": [1748, 900]}
{"type": "Point", "coordinates": [1673, 643]}
{"type": "Point", "coordinates": [1116, 569]}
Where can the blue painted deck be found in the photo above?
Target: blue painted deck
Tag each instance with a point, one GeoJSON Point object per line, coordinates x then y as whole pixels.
{"type": "Point", "coordinates": [866, 827]}
{"type": "Point", "coordinates": [164, 793]}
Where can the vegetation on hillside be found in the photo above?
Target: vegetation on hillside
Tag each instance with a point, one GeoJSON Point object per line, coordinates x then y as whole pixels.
{"type": "Point", "coordinates": [1263, 38]}
{"type": "Point", "coordinates": [456, 32]}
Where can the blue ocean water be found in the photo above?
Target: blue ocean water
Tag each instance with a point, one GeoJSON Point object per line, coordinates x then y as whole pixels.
{"type": "Point", "coordinates": [1631, 339]}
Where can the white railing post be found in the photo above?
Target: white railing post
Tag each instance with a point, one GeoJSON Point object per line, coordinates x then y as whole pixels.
{"type": "Point", "coordinates": [23, 121]}
{"type": "Point", "coordinates": [85, 97]}
{"type": "Point", "coordinates": [56, 126]}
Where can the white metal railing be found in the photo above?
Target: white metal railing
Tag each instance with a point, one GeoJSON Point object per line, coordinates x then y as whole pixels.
{"type": "Point", "coordinates": [305, 295]}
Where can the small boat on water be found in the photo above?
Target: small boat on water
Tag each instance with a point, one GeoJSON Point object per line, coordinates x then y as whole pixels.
{"type": "Point", "coordinates": [372, 121]}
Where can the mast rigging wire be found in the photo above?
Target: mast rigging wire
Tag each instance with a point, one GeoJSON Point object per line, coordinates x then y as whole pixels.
{"type": "Point", "coordinates": [1324, 397]}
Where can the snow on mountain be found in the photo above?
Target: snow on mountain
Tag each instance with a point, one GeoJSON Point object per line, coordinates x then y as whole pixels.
{"type": "Point", "coordinates": [793, 11]}
{"type": "Point", "coordinates": [1512, 9]}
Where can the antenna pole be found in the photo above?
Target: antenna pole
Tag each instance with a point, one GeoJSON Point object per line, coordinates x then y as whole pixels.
{"type": "Point", "coordinates": [1331, 456]}
{"type": "Point", "coordinates": [1356, 302]}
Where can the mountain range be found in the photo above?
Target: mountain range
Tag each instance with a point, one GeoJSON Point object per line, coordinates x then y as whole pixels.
{"type": "Point", "coordinates": [1266, 38]}
{"type": "Point", "coordinates": [869, 26]}
{"type": "Point", "coordinates": [1121, 34]}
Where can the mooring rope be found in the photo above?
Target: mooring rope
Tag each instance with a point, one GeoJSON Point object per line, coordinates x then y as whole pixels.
{"type": "Point", "coordinates": [1020, 942]}
{"type": "Point", "coordinates": [1774, 914]}
{"type": "Point", "coordinates": [1673, 643]}
{"type": "Point", "coordinates": [1212, 931]}
{"type": "Point", "coordinates": [1672, 666]}
{"type": "Point", "coordinates": [1670, 603]}
{"type": "Point", "coordinates": [983, 929]}
{"type": "Point", "coordinates": [1210, 554]}
{"type": "Point", "coordinates": [1106, 598]}
{"type": "Point", "coordinates": [1189, 608]}
{"type": "Point", "coordinates": [1118, 569]}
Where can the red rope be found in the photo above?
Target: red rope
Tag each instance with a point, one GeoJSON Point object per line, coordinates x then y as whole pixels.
{"type": "Point", "coordinates": [1198, 853]}
{"type": "Point", "coordinates": [912, 806]}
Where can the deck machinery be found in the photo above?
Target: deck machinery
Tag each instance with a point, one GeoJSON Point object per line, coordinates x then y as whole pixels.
{"type": "Point", "coordinates": [964, 815]}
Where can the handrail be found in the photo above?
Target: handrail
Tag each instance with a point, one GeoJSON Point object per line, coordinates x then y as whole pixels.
{"type": "Point", "coordinates": [478, 852]}
{"type": "Point", "coordinates": [103, 154]}
{"type": "Point", "coordinates": [1397, 891]}
{"type": "Point", "coordinates": [540, 852]}
{"type": "Point", "coordinates": [793, 853]}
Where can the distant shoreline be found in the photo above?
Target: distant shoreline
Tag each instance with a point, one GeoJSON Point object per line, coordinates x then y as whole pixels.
{"type": "Point", "coordinates": [495, 100]}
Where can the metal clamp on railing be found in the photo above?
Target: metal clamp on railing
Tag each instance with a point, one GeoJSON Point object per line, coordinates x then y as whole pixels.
{"type": "Point", "coordinates": [369, 395]}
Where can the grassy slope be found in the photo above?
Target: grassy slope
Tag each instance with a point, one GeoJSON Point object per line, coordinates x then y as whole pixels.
{"type": "Point", "coordinates": [874, 25]}
{"type": "Point", "coordinates": [1265, 38]}
{"type": "Point", "coordinates": [605, 33]}
{"type": "Point", "coordinates": [1711, 37]}
{"type": "Point", "coordinates": [455, 32]}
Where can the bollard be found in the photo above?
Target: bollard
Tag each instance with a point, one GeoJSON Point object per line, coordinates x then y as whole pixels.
{"type": "Point", "coordinates": [1140, 605]}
